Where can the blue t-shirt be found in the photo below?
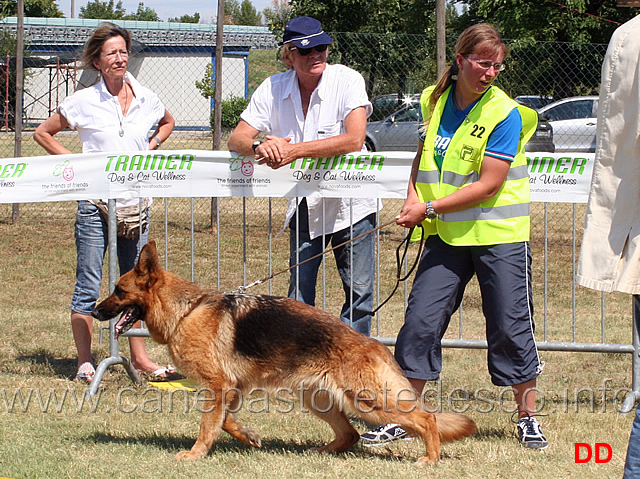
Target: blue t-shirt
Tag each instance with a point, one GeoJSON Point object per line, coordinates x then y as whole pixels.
{"type": "Point", "coordinates": [503, 140]}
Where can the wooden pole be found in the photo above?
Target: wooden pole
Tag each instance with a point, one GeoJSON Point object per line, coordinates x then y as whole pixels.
{"type": "Point", "coordinates": [217, 94]}
{"type": "Point", "coordinates": [7, 79]}
{"type": "Point", "coordinates": [15, 211]}
{"type": "Point", "coordinates": [441, 38]}
{"type": "Point", "coordinates": [217, 101]}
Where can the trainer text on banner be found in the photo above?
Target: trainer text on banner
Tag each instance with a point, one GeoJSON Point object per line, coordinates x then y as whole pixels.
{"type": "Point", "coordinates": [560, 178]}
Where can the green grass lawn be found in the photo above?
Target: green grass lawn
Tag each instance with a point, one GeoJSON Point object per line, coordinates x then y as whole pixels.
{"type": "Point", "coordinates": [137, 431]}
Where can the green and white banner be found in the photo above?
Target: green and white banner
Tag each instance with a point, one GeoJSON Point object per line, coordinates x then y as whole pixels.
{"type": "Point", "coordinates": [560, 178]}
{"type": "Point", "coordinates": [199, 173]}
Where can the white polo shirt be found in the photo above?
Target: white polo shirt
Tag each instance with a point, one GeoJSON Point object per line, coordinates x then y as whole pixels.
{"type": "Point", "coordinates": [96, 115]}
{"type": "Point", "coordinates": [276, 109]}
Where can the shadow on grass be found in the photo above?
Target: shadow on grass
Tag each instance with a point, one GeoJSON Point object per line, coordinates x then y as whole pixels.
{"type": "Point", "coordinates": [173, 444]}
{"type": "Point", "coordinates": [41, 362]}
{"type": "Point", "coordinates": [493, 433]}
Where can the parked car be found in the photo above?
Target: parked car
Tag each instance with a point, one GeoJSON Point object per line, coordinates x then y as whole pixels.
{"type": "Point", "coordinates": [542, 139]}
{"type": "Point", "coordinates": [574, 123]}
{"type": "Point", "coordinates": [399, 132]}
{"type": "Point", "coordinates": [534, 101]}
{"type": "Point", "coordinates": [385, 105]}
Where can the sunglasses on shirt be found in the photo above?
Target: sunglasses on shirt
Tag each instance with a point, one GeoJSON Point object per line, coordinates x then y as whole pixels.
{"type": "Point", "coordinates": [306, 51]}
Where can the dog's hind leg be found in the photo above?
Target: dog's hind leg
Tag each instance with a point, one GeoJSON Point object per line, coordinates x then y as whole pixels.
{"type": "Point", "coordinates": [212, 417]}
{"type": "Point", "coordinates": [237, 430]}
{"type": "Point", "coordinates": [325, 406]}
{"type": "Point", "coordinates": [387, 397]}
{"type": "Point", "coordinates": [422, 424]}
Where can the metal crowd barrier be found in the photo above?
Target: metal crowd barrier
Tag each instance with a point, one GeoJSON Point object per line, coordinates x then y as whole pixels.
{"type": "Point", "coordinates": [115, 358]}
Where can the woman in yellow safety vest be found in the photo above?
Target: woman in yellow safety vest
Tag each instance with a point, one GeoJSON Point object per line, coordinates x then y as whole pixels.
{"type": "Point", "coordinates": [469, 189]}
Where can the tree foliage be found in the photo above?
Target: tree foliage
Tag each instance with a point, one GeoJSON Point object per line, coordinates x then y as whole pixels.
{"type": "Point", "coordinates": [231, 11]}
{"type": "Point", "coordinates": [103, 10]}
{"type": "Point", "coordinates": [143, 14]}
{"type": "Point", "coordinates": [32, 8]}
{"type": "Point", "coordinates": [206, 85]}
{"type": "Point", "coordinates": [236, 13]}
{"type": "Point", "coordinates": [565, 68]}
{"type": "Point", "coordinates": [109, 10]}
{"type": "Point", "coordinates": [232, 107]}
{"type": "Point", "coordinates": [277, 16]}
{"type": "Point", "coordinates": [370, 16]}
{"type": "Point", "coordinates": [195, 18]}
{"type": "Point", "coordinates": [579, 21]}
{"type": "Point", "coordinates": [387, 62]}
{"type": "Point", "coordinates": [248, 14]}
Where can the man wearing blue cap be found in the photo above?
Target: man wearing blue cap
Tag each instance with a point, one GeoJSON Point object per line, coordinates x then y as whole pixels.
{"type": "Point", "coordinates": [316, 110]}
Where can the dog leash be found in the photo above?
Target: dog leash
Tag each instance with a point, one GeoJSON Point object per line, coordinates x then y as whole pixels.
{"type": "Point", "coordinates": [399, 262]}
{"type": "Point", "coordinates": [243, 289]}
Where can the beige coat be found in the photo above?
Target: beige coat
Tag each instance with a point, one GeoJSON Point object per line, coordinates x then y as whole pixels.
{"type": "Point", "coordinates": [610, 253]}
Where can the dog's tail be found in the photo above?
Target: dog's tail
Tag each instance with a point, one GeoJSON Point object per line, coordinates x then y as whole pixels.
{"type": "Point", "coordinates": [452, 427]}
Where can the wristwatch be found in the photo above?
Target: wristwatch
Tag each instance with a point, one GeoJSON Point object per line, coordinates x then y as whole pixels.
{"type": "Point", "coordinates": [158, 142]}
{"type": "Point", "coordinates": [255, 145]}
{"type": "Point", "coordinates": [429, 212]}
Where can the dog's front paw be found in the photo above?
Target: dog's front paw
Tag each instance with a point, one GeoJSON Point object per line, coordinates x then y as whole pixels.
{"type": "Point", "coordinates": [189, 456]}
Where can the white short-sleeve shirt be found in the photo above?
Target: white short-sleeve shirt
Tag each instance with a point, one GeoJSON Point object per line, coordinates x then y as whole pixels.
{"type": "Point", "coordinates": [96, 115]}
{"type": "Point", "coordinates": [276, 109]}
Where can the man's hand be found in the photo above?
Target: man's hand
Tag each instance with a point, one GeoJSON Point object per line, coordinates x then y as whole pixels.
{"type": "Point", "coordinates": [275, 152]}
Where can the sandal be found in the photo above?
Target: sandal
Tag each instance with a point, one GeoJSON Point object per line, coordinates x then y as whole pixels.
{"type": "Point", "coordinates": [163, 374]}
{"type": "Point", "coordinates": [85, 373]}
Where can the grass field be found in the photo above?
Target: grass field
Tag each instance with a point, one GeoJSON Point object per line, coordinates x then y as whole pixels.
{"type": "Point", "coordinates": [136, 431]}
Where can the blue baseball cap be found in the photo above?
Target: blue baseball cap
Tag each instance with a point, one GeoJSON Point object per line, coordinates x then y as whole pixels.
{"type": "Point", "coordinates": [305, 32]}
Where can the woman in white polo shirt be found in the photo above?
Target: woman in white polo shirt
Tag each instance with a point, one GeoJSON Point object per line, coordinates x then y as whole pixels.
{"type": "Point", "coordinates": [114, 114]}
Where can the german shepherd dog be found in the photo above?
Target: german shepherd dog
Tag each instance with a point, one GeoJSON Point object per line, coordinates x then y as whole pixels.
{"type": "Point", "coordinates": [231, 343]}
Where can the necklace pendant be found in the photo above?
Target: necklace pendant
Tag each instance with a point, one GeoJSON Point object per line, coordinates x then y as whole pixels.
{"type": "Point", "coordinates": [121, 132]}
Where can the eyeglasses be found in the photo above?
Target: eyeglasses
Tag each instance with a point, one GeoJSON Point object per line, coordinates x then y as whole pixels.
{"type": "Point", "coordinates": [123, 54]}
{"type": "Point", "coordinates": [306, 51]}
{"type": "Point", "coordinates": [486, 64]}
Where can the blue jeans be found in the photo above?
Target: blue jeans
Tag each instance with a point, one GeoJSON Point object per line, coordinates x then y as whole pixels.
{"type": "Point", "coordinates": [632, 464]}
{"type": "Point", "coordinates": [91, 232]}
{"type": "Point", "coordinates": [358, 305]}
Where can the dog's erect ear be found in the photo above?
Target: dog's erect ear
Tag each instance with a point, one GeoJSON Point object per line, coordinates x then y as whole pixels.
{"type": "Point", "coordinates": [148, 264]}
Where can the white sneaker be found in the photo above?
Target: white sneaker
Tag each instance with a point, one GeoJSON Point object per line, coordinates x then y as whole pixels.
{"type": "Point", "coordinates": [384, 435]}
{"type": "Point", "coordinates": [530, 433]}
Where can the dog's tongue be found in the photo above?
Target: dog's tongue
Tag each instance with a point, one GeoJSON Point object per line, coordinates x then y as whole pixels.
{"type": "Point", "coordinates": [121, 325]}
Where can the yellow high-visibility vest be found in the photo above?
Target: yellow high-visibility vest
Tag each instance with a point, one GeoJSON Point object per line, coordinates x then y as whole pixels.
{"type": "Point", "coordinates": [503, 218]}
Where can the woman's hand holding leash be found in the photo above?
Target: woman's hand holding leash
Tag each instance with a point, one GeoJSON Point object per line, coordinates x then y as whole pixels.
{"type": "Point", "coordinates": [411, 214]}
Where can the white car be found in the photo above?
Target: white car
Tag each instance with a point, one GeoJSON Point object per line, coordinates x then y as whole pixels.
{"type": "Point", "coordinates": [574, 123]}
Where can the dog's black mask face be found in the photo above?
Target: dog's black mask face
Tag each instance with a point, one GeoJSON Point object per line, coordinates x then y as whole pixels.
{"type": "Point", "coordinates": [116, 304]}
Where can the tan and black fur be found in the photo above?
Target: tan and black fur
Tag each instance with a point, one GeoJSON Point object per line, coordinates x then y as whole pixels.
{"type": "Point", "coordinates": [238, 342]}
